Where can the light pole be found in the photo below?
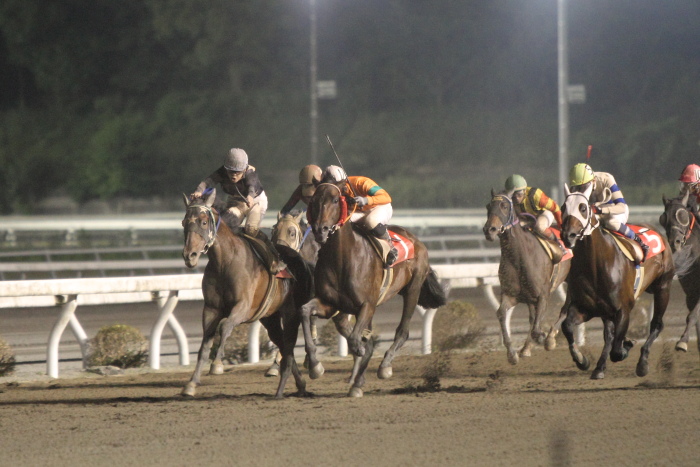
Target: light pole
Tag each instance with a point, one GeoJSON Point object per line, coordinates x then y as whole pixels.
{"type": "Point", "coordinates": [314, 87]}
{"type": "Point", "coordinates": [563, 81]}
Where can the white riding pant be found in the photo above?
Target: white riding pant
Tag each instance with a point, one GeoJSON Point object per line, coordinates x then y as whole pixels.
{"type": "Point", "coordinates": [377, 215]}
{"type": "Point", "coordinates": [544, 221]}
{"type": "Point", "coordinates": [253, 215]}
{"type": "Point", "coordinates": [614, 221]}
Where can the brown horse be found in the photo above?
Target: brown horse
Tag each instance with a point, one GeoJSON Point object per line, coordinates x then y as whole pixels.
{"type": "Point", "coordinates": [526, 273]}
{"type": "Point", "coordinates": [238, 289]}
{"type": "Point", "coordinates": [601, 283]}
{"type": "Point", "coordinates": [349, 277]}
{"type": "Point", "coordinates": [684, 237]}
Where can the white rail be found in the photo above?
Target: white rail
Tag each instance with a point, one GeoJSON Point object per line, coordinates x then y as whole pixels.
{"type": "Point", "coordinates": [166, 291]}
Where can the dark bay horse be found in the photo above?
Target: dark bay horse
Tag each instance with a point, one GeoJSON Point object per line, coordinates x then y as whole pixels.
{"type": "Point", "coordinates": [238, 289]}
{"type": "Point", "coordinates": [601, 284]}
{"type": "Point", "coordinates": [349, 276]}
{"type": "Point", "coordinates": [526, 273]}
{"type": "Point", "coordinates": [684, 237]}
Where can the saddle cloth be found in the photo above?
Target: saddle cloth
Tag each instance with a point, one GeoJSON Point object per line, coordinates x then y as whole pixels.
{"type": "Point", "coordinates": [568, 255]}
{"type": "Point", "coordinates": [632, 250]}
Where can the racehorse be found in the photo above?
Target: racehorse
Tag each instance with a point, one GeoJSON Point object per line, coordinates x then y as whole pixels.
{"type": "Point", "coordinates": [684, 237]}
{"type": "Point", "coordinates": [289, 233]}
{"type": "Point", "coordinates": [526, 273]}
{"type": "Point", "coordinates": [238, 289]}
{"type": "Point", "coordinates": [604, 283]}
{"type": "Point", "coordinates": [349, 277]}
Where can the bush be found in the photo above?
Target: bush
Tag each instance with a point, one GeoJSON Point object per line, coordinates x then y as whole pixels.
{"type": "Point", "coordinates": [236, 346]}
{"type": "Point", "coordinates": [118, 345]}
{"type": "Point", "coordinates": [7, 358]}
{"type": "Point", "coordinates": [457, 325]}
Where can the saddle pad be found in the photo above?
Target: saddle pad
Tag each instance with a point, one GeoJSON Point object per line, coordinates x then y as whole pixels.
{"type": "Point", "coordinates": [569, 254]}
{"type": "Point", "coordinates": [403, 246]}
{"type": "Point", "coordinates": [650, 238]}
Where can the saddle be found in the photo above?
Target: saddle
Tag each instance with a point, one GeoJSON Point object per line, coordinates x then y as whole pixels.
{"type": "Point", "coordinates": [263, 250]}
{"type": "Point", "coordinates": [631, 249]}
{"type": "Point", "coordinates": [555, 248]}
{"type": "Point", "coordinates": [404, 246]}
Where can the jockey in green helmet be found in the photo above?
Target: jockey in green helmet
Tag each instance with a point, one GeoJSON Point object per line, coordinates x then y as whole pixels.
{"type": "Point", "coordinates": [535, 202]}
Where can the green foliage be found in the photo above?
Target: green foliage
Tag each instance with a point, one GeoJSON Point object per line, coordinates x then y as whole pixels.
{"type": "Point", "coordinates": [7, 358]}
{"type": "Point", "coordinates": [236, 346]}
{"type": "Point", "coordinates": [118, 345]}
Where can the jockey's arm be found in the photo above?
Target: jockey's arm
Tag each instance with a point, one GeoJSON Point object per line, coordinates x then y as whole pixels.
{"type": "Point", "coordinates": [208, 182]}
{"type": "Point", "coordinates": [545, 202]}
{"type": "Point", "coordinates": [293, 200]}
{"type": "Point", "coordinates": [366, 187]}
{"type": "Point", "coordinates": [616, 204]}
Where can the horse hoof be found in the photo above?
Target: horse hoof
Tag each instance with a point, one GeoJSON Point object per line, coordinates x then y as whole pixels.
{"type": "Point", "coordinates": [525, 353]}
{"type": "Point", "coordinates": [355, 392]}
{"type": "Point", "coordinates": [385, 372]}
{"type": "Point", "coordinates": [317, 371]}
{"type": "Point", "coordinates": [682, 346]}
{"type": "Point", "coordinates": [584, 365]}
{"type": "Point", "coordinates": [513, 358]}
{"type": "Point", "coordinates": [642, 369]}
{"type": "Point", "coordinates": [216, 369]}
{"type": "Point", "coordinates": [189, 389]}
{"type": "Point", "coordinates": [272, 371]}
{"type": "Point", "coordinates": [598, 374]}
{"type": "Point", "coordinates": [306, 362]}
{"type": "Point", "coordinates": [550, 343]}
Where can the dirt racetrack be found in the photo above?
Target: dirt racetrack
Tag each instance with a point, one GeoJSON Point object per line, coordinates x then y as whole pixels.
{"type": "Point", "coordinates": [541, 412]}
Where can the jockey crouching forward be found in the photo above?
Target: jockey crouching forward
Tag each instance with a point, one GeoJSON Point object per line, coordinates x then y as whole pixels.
{"type": "Point", "coordinates": [246, 197]}
{"type": "Point", "coordinates": [613, 212]}
{"type": "Point", "coordinates": [373, 203]}
{"type": "Point", "coordinates": [690, 183]}
{"type": "Point", "coordinates": [535, 202]}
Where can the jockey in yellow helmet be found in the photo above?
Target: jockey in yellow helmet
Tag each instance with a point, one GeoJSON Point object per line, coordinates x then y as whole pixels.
{"type": "Point", "coordinates": [614, 212]}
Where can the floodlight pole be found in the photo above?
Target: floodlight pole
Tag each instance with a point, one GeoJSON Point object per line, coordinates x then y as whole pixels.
{"type": "Point", "coordinates": [563, 65]}
{"type": "Point", "coordinates": [314, 88]}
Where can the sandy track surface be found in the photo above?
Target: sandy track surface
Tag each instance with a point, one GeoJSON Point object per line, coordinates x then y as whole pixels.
{"type": "Point", "coordinates": [486, 412]}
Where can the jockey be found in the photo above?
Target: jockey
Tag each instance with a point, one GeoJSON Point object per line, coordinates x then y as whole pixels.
{"type": "Point", "coordinates": [246, 196]}
{"type": "Point", "coordinates": [308, 177]}
{"type": "Point", "coordinates": [690, 183]}
{"type": "Point", "coordinates": [533, 201]}
{"type": "Point", "coordinates": [373, 205]}
{"type": "Point", "coordinates": [613, 213]}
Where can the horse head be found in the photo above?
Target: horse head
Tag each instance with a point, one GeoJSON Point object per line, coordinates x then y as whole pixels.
{"type": "Point", "coordinates": [500, 214]}
{"type": "Point", "coordinates": [327, 209]}
{"type": "Point", "coordinates": [200, 223]}
{"type": "Point", "coordinates": [578, 219]}
{"type": "Point", "coordinates": [287, 231]}
{"type": "Point", "coordinates": [677, 220]}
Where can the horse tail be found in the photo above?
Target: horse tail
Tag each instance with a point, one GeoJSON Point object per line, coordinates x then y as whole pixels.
{"type": "Point", "coordinates": [432, 294]}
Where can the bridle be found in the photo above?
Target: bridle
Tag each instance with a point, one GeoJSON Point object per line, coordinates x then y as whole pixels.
{"type": "Point", "coordinates": [587, 226]}
{"type": "Point", "coordinates": [685, 228]}
{"type": "Point", "coordinates": [209, 234]}
{"type": "Point", "coordinates": [343, 217]}
{"type": "Point", "coordinates": [512, 218]}
{"type": "Point", "coordinates": [297, 228]}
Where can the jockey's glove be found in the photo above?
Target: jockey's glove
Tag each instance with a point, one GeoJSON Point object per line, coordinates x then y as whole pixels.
{"type": "Point", "coordinates": [361, 201]}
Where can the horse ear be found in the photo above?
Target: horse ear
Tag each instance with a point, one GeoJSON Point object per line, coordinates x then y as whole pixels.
{"type": "Point", "coordinates": [567, 192]}
{"type": "Point", "coordinates": [663, 198]}
{"type": "Point", "coordinates": [300, 216]}
{"type": "Point", "coordinates": [186, 199]}
{"type": "Point", "coordinates": [685, 197]}
{"type": "Point", "coordinates": [492, 193]}
{"type": "Point", "coordinates": [210, 199]}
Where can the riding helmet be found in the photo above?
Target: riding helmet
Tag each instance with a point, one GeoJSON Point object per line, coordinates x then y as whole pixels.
{"type": "Point", "coordinates": [307, 177]}
{"type": "Point", "coordinates": [515, 183]}
{"type": "Point", "coordinates": [335, 173]}
{"type": "Point", "coordinates": [580, 174]}
{"type": "Point", "coordinates": [236, 160]}
{"type": "Point", "coordinates": [691, 174]}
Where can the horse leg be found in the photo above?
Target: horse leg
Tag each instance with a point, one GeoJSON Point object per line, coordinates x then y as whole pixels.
{"type": "Point", "coordinates": [309, 309]}
{"type": "Point", "coordinates": [540, 310]}
{"type": "Point", "coordinates": [410, 300]}
{"type": "Point", "coordinates": [550, 342]}
{"type": "Point", "coordinates": [661, 298]}
{"type": "Point", "coordinates": [235, 318]}
{"type": "Point", "coordinates": [691, 321]}
{"type": "Point", "coordinates": [289, 331]}
{"type": "Point", "coordinates": [362, 330]}
{"type": "Point", "coordinates": [526, 350]}
{"type": "Point", "coordinates": [359, 380]}
{"type": "Point", "coordinates": [344, 326]}
{"type": "Point", "coordinates": [504, 312]}
{"type": "Point", "coordinates": [621, 345]}
{"type": "Point", "coordinates": [608, 336]}
{"type": "Point", "coordinates": [568, 327]}
{"type": "Point", "coordinates": [210, 323]}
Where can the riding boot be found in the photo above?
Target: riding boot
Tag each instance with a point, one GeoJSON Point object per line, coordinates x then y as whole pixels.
{"type": "Point", "coordinates": [645, 247]}
{"type": "Point", "coordinates": [276, 264]}
{"type": "Point", "coordinates": [381, 232]}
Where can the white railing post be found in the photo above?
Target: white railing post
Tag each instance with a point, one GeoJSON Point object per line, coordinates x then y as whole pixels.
{"type": "Point", "coordinates": [68, 305]}
{"type": "Point", "coordinates": [166, 305]}
{"type": "Point", "coordinates": [81, 337]}
{"type": "Point", "coordinates": [342, 346]}
{"type": "Point", "coordinates": [254, 342]}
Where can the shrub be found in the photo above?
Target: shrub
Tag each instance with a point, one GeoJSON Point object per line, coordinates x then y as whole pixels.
{"type": "Point", "coordinates": [236, 346]}
{"type": "Point", "coordinates": [7, 358]}
{"type": "Point", "coordinates": [118, 345]}
{"type": "Point", "coordinates": [457, 325]}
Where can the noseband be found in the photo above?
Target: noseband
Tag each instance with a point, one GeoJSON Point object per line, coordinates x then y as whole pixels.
{"type": "Point", "coordinates": [208, 234]}
{"type": "Point", "coordinates": [586, 223]}
{"type": "Point", "coordinates": [685, 228]}
{"type": "Point", "coordinates": [344, 216]}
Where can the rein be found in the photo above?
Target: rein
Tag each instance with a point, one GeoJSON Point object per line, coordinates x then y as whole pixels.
{"type": "Point", "coordinates": [344, 216]}
{"type": "Point", "coordinates": [512, 218]}
{"type": "Point", "coordinates": [213, 226]}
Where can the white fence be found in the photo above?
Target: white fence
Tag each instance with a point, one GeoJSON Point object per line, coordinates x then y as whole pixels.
{"type": "Point", "coordinates": [166, 291]}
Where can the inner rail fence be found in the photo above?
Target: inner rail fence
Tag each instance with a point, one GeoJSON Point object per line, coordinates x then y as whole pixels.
{"type": "Point", "coordinates": [67, 294]}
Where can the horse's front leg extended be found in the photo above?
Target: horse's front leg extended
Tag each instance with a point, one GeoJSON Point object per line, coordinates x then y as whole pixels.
{"type": "Point", "coordinates": [210, 323]}
{"type": "Point", "coordinates": [313, 308]}
{"type": "Point", "coordinates": [550, 342]}
{"type": "Point", "coordinates": [361, 332]}
{"type": "Point", "coordinates": [410, 301]}
{"type": "Point", "coordinates": [540, 309]}
{"type": "Point", "coordinates": [504, 313]}
{"type": "Point", "coordinates": [237, 316]}
{"type": "Point", "coordinates": [608, 336]}
{"type": "Point", "coordinates": [661, 298]}
{"type": "Point", "coordinates": [621, 345]}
